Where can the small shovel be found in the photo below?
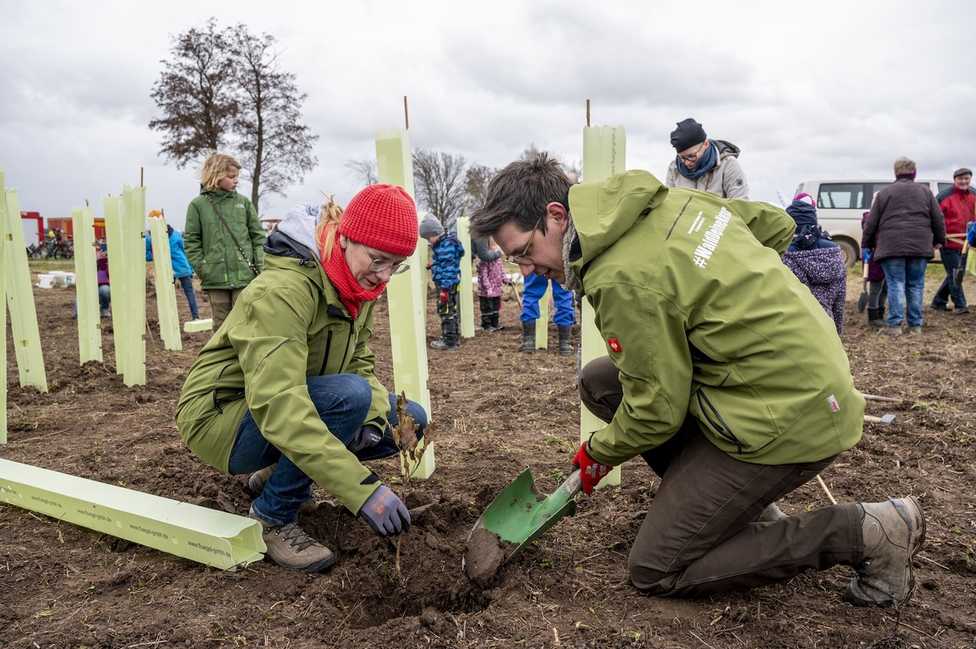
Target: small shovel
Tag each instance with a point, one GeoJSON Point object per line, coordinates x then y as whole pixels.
{"type": "Point", "coordinates": [862, 301]}
{"type": "Point", "coordinates": [519, 514]}
{"type": "Point", "coordinates": [959, 274]}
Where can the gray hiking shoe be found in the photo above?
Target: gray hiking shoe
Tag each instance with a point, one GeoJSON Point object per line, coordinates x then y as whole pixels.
{"type": "Point", "coordinates": [255, 485]}
{"type": "Point", "coordinates": [771, 513]}
{"type": "Point", "coordinates": [290, 547]}
{"type": "Point", "coordinates": [893, 533]}
{"type": "Point", "coordinates": [443, 345]}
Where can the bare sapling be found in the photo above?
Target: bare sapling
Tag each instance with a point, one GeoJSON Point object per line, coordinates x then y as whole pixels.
{"type": "Point", "coordinates": [407, 439]}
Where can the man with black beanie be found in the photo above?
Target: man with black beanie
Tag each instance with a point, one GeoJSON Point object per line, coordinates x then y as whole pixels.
{"type": "Point", "coordinates": [706, 165]}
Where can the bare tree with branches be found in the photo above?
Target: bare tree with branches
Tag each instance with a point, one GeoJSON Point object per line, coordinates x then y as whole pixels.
{"type": "Point", "coordinates": [197, 93]}
{"type": "Point", "coordinates": [275, 146]}
{"type": "Point", "coordinates": [224, 89]}
{"type": "Point", "coordinates": [476, 180]}
{"type": "Point", "coordinates": [364, 170]}
{"type": "Point", "coordinates": [440, 184]}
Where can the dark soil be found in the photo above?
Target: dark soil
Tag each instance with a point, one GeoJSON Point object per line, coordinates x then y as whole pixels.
{"type": "Point", "coordinates": [483, 556]}
{"type": "Point", "coordinates": [497, 412]}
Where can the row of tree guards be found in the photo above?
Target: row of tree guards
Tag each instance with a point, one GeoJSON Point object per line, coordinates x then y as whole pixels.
{"type": "Point", "coordinates": [604, 154]}
{"type": "Point", "coordinates": [208, 536]}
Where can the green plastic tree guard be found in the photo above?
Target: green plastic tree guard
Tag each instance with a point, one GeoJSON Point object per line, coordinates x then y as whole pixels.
{"type": "Point", "coordinates": [116, 270]}
{"type": "Point", "coordinates": [406, 295]}
{"type": "Point", "coordinates": [467, 286]}
{"type": "Point", "coordinates": [20, 299]}
{"type": "Point", "coordinates": [3, 317]}
{"type": "Point", "coordinates": [86, 287]}
{"type": "Point", "coordinates": [208, 536]}
{"type": "Point", "coordinates": [542, 324]}
{"type": "Point", "coordinates": [124, 225]}
{"type": "Point", "coordinates": [194, 326]}
{"type": "Point", "coordinates": [169, 317]}
{"type": "Point", "coordinates": [604, 154]}
{"type": "Point", "coordinates": [134, 218]}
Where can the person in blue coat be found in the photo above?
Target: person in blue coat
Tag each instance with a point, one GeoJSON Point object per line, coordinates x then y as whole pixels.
{"type": "Point", "coordinates": [182, 271]}
{"type": "Point", "coordinates": [565, 316]}
{"type": "Point", "coordinates": [445, 266]}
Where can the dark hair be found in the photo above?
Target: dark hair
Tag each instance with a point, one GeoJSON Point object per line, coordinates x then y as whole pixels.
{"type": "Point", "coordinates": [520, 193]}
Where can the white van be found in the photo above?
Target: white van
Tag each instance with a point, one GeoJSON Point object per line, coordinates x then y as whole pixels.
{"type": "Point", "coordinates": [841, 203]}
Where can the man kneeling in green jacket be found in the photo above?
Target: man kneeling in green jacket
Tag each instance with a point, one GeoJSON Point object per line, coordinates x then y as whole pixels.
{"type": "Point", "coordinates": [723, 373]}
{"type": "Point", "coordinates": [285, 389]}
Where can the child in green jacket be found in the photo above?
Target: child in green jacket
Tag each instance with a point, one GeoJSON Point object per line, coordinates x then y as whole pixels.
{"type": "Point", "coordinates": [223, 238]}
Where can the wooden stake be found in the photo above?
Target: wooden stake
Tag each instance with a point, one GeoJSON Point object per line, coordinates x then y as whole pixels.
{"type": "Point", "coordinates": [406, 114]}
{"type": "Point", "coordinates": [141, 177]}
{"type": "Point", "coordinates": [587, 113]}
{"type": "Point", "coordinates": [874, 397]}
{"type": "Point", "coordinates": [823, 485]}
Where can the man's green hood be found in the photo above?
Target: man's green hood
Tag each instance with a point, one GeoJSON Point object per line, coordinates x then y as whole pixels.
{"type": "Point", "coordinates": [603, 211]}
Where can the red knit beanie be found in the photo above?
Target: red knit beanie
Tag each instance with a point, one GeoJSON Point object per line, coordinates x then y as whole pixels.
{"type": "Point", "coordinates": [382, 217]}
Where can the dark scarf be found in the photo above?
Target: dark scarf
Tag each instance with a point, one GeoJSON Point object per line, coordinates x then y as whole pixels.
{"type": "Point", "coordinates": [705, 163]}
{"type": "Point", "coordinates": [351, 293]}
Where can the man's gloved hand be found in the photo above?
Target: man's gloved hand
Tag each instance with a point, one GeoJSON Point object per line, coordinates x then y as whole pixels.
{"type": "Point", "coordinates": [971, 233]}
{"type": "Point", "coordinates": [442, 298]}
{"type": "Point", "coordinates": [367, 437]}
{"type": "Point", "coordinates": [591, 471]}
{"type": "Point", "coordinates": [866, 255]}
{"type": "Point", "coordinates": [385, 512]}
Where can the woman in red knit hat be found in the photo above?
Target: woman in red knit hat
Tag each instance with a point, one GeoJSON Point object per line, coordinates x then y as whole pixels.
{"type": "Point", "coordinates": [285, 390]}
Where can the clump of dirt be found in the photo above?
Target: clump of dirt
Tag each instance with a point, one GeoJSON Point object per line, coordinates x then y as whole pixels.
{"type": "Point", "coordinates": [484, 555]}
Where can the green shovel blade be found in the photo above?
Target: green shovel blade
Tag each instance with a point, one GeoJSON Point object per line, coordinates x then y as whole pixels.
{"type": "Point", "coordinates": [519, 514]}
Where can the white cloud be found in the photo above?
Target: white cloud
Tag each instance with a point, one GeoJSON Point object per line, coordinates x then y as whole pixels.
{"type": "Point", "coordinates": [809, 90]}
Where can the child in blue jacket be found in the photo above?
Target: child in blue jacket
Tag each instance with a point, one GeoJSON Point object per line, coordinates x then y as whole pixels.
{"type": "Point", "coordinates": [445, 265]}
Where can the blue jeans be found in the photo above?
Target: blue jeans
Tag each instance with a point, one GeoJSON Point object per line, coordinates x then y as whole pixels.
{"type": "Point", "coordinates": [186, 283]}
{"type": "Point", "coordinates": [342, 401]}
{"type": "Point", "coordinates": [104, 297]}
{"type": "Point", "coordinates": [104, 300]}
{"type": "Point", "coordinates": [905, 277]}
{"type": "Point", "coordinates": [951, 260]}
{"type": "Point", "coordinates": [535, 289]}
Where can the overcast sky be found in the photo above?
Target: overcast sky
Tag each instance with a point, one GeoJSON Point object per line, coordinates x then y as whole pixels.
{"type": "Point", "coordinates": [806, 90]}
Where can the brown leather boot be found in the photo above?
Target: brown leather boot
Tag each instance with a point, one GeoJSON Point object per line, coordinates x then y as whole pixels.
{"type": "Point", "coordinates": [290, 547]}
{"type": "Point", "coordinates": [893, 533]}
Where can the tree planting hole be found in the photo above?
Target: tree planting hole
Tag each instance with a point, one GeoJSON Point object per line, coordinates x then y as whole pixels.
{"type": "Point", "coordinates": [430, 582]}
